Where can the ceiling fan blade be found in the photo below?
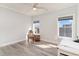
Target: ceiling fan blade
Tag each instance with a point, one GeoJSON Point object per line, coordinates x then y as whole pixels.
{"type": "Point", "coordinates": [42, 8]}
{"type": "Point", "coordinates": [35, 5]}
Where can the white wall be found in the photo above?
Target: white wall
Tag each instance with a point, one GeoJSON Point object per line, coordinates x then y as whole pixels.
{"type": "Point", "coordinates": [13, 26]}
{"type": "Point", "coordinates": [48, 23]}
{"type": "Point", "coordinates": [78, 21]}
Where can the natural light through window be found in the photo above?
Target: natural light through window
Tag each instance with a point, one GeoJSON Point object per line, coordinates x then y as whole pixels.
{"type": "Point", "coordinates": [46, 46]}
{"type": "Point", "coordinates": [36, 25]}
{"type": "Point", "coordinates": [65, 26]}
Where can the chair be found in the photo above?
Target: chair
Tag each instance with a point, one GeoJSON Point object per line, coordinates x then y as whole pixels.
{"type": "Point", "coordinates": [31, 36]}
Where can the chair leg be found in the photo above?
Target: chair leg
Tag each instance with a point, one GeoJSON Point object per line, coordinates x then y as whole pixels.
{"type": "Point", "coordinates": [28, 40]}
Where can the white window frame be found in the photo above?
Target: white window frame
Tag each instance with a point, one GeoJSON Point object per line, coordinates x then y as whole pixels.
{"type": "Point", "coordinates": [34, 30]}
{"type": "Point", "coordinates": [73, 28]}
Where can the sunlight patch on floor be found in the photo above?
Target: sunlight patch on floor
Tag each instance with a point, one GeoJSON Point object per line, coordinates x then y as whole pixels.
{"type": "Point", "coordinates": [46, 46]}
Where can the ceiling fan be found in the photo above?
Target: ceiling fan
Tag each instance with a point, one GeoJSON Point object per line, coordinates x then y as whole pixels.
{"type": "Point", "coordinates": [36, 7]}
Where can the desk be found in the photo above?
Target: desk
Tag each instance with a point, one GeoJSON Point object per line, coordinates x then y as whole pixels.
{"type": "Point", "coordinates": [37, 38]}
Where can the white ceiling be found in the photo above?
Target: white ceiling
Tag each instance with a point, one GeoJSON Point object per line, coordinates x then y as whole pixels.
{"type": "Point", "coordinates": [26, 8]}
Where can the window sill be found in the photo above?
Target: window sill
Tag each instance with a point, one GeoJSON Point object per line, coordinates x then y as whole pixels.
{"type": "Point", "coordinates": [60, 37]}
{"type": "Point", "coordinates": [36, 34]}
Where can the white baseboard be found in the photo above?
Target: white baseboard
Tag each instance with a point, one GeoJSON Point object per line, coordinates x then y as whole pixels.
{"type": "Point", "coordinates": [10, 43]}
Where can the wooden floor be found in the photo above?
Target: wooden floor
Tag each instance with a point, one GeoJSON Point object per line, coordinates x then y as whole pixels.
{"type": "Point", "coordinates": [24, 49]}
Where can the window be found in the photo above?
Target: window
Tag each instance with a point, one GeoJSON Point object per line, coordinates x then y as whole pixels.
{"type": "Point", "coordinates": [36, 26]}
{"type": "Point", "coordinates": [65, 26]}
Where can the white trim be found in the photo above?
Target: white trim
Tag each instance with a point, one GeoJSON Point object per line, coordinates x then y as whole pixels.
{"type": "Point", "coordinates": [10, 43]}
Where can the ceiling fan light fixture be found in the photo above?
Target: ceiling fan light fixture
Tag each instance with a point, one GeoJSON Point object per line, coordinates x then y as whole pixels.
{"type": "Point", "coordinates": [34, 8]}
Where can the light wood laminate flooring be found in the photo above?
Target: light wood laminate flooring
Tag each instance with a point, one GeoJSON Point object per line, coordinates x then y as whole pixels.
{"type": "Point", "coordinates": [24, 49]}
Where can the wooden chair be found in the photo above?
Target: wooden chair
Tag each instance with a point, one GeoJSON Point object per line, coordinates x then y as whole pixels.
{"type": "Point", "coordinates": [31, 36]}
